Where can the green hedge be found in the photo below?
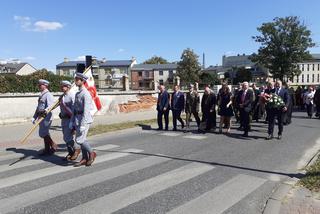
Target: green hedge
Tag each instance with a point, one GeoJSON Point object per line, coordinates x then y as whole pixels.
{"type": "Point", "coordinates": [10, 83]}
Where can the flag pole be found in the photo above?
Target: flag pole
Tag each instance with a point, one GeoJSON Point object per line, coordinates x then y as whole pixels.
{"type": "Point", "coordinates": [39, 120]}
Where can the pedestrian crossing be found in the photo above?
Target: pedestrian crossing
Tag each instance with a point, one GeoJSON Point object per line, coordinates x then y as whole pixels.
{"type": "Point", "coordinates": [177, 134]}
{"type": "Point", "coordinates": [165, 173]}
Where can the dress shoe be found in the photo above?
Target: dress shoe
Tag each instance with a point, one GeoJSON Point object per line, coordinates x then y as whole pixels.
{"type": "Point", "coordinates": [269, 137]}
{"type": "Point", "coordinates": [93, 156]}
{"type": "Point", "coordinates": [174, 129]}
{"type": "Point", "coordinates": [245, 135]}
{"type": "Point", "coordinates": [279, 137]}
{"type": "Point", "coordinates": [81, 163]}
{"type": "Point", "coordinates": [75, 154]}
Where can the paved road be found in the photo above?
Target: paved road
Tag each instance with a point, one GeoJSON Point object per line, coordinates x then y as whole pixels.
{"type": "Point", "coordinates": [146, 171]}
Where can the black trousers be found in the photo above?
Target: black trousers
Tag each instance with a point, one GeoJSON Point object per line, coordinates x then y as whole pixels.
{"type": "Point", "coordinates": [245, 120]}
{"type": "Point", "coordinates": [196, 116]}
{"type": "Point", "coordinates": [166, 119]}
{"type": "Point", "coordinates": [309, 109]}
{"type": "Point", "coordinates": [176, 115]}
{"type": "Point", "coordinates": [210, 119]}
{"type": "Point", "coordinates": [273, 114]}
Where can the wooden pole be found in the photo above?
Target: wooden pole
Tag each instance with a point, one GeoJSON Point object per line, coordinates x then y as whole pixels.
{"type": "Point", "coordinates": [39, 120]}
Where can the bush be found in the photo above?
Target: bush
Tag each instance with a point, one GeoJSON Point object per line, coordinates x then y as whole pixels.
{"type": "Point", "coordinates": [29, 83]}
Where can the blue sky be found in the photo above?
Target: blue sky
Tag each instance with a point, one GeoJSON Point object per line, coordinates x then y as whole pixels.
{"type": "Point", "coordinates": [44, 32]}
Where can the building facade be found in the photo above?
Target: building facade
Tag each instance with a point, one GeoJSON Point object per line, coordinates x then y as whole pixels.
{"type": "Point", "coordinates": [310, 72]}
{"type": "Point", "coordinates": [107, 74]}
{"type": "Point", "coordinates": [150, 76]}
{"type": "Point", "coordinates": [17, 68]}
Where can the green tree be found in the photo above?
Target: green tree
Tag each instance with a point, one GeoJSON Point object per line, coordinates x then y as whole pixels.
{"type": "Point", "coordinates": [284, 43]}
{"type": "Point", "coordinates": [188, 67]}
{"type": "Point", "coordinates": [242, 74]}
{"type": "Point", "coordinates": [208, 79]}
{"type": "Point", "coordinates": [156, 60]}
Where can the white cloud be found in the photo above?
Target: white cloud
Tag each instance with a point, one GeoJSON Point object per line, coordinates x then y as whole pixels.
{"type": "Point", "coordinates": [27, 24]}
{"type": "Point", "coordinates": [120, 50]}
{"type": "Point", "coordinates": [229, 53]}
{"type": "Point", "coordinates": [29, 58]}
{"type": "Point", "coordinates": [80, 58]}
{"type": "Point", "coordinates": [43, 26]}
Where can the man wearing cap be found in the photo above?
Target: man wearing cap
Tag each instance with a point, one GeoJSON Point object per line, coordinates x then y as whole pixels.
{"type": "Point", "coordinates": [45, 101]}
{"type": "Point", "coordinates": [66, 112]}
{"type": "Point", "coordinates": [82, 120]}
{"type": "Point", "coordinates": [192, 106]}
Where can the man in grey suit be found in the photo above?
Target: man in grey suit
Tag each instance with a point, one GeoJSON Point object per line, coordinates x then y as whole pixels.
{"type": "Point", "coordinates": [82, 120]}
{"type": "Point", "coordinates": [45, 101]}
{"type": "Point", "coordinates": [66, 113]}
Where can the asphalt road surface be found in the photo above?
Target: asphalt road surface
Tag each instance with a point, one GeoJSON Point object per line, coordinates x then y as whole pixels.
{"type": "Point", "coordinates": [142, 170]}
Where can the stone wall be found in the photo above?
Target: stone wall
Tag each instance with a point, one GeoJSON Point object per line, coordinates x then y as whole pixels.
{"type": "Point", "coordinates": [15, 108]}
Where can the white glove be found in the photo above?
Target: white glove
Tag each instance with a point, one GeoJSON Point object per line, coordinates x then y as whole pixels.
{"type": "Point", "coordinates": [71, 125]}
{"type": "Point", "coordinates": [82, 128]}
{"type": "Point", "coordinates": [33, 121]}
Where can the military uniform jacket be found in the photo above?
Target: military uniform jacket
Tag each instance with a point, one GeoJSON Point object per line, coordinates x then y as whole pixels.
{"type": "Point", "coordinates": [82, 108]}
{"type": "Point", "coordinates": [66, 107]}
{"type": "Point", "coordinates": [44, 102]}
{"type": "Point", "coordinates": [192, 102]}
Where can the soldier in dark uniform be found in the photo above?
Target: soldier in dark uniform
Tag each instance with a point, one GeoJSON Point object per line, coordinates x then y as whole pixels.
{"type": "Point", "coordinates": [82, 120]}
{"type": "Point", "coordinates": [192, 106]}
{"type": "Point", "coordinates": [45, 101]}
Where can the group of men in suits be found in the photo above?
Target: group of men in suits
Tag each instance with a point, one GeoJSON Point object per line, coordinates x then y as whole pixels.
{"type": "Point", "coordinates": [245, 100]}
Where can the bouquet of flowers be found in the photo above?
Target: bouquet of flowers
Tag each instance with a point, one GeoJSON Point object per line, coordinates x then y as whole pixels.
{"type": "Point", "coordinates": [275, 101]}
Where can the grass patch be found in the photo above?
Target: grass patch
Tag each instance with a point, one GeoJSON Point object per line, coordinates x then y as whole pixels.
{"type": "Point", "coordinates": [312, 178]}
{"type": "Point", "coordinates": [100, 129]}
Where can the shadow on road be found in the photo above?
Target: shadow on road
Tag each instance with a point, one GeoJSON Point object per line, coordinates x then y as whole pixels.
{"type": "Point", "coordinates": [34, 154]}
{"type": "Point", "coordinates": [291, 175]}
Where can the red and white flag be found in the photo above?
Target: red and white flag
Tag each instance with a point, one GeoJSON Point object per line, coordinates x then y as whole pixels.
{"type": "Point", "coordinates": [91, 87]}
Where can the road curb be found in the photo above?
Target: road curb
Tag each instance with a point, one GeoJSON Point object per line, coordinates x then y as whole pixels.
{"type": "Point", "coordinates": [274, 203]}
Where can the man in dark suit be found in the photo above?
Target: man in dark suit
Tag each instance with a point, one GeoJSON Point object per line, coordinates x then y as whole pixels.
{"type": "Point", "coordinates": [279, 113]}
{"type": "Point", "coordinates": [245, 100]}
{"type": "Point", "coordinates": [163, 107]}
{"type": "Point", "coordinates": [269, 90]}
{"type": "Point", "coordinates": [208, 108]}
{"type": "Point", "coordinates": [177, 106]}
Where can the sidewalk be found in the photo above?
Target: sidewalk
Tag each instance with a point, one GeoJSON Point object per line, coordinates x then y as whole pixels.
{"type": "Point", "coordinates": [13, 133]}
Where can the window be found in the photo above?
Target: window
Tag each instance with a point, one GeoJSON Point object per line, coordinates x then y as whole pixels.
{"type": "Point", "coordinates": [308, 67]}
{"type": "Point", "coordinates": [302, 78]}
{"type": "Point", "coordinates": [318, 78]}
{"type": "Point", "coordinates": [161, 82]}
{"type": "Point", "coordinates": [318, 67]}
{"type": "Point", "coordinates": [146, 73]}
{"type": "Point", "coordinates": [313, 67]}
{"type": "Point", "coordinates": [302, 67]}
{"type": "Point", "coordinates": [160, 73]}
{"type": "Point", "coordinates": [307, 77]}
{"type": "Point", "coordinates": [170, 73]}
{"type": "Point", "coordinates": [297, 79]}
{"type": "Point", "coordinates": [312, 77]}
{"type": "Point", "coordinates": [140, 84]}
{"type": "Point", "coordinates": [140, 74]}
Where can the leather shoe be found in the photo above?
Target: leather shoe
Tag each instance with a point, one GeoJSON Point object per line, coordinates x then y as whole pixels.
{"type": "Point", "coordinates": [279, 137]}
{"type": "Point", "coordinates": [269, 137]}
{"type": "Point", "coordinates": [75, 154]}
{"type": "Point", "coordinates": [93, 156]}
{"type": "Point", "coordinates": [81, 163]}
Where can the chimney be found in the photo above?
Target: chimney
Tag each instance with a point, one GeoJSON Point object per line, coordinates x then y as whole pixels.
{"type": "Point", "coordinates": [203, 61]}
{"type": "Point", "coordinates": [65, 59]}
{"type": "Point", "coordinates": [88, 61]}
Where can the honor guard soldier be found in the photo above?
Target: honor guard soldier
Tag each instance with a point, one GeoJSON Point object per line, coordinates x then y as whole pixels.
{"type": "Point", "coordinates": [45, 101]}
{"type": "Point", "coordinates": [66, 113]}
{"type": "Point", "coordinates": [82, 120]}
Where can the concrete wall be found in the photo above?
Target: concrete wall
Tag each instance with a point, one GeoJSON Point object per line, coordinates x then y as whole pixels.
{"type": "Point", "coordinates": [15, 108]}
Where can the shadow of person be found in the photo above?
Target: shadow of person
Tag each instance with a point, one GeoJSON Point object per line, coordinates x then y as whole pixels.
{"type": "Point", "coordinates": [34, 154]}
{"type": "Point", "coordinates": [144, 126]}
